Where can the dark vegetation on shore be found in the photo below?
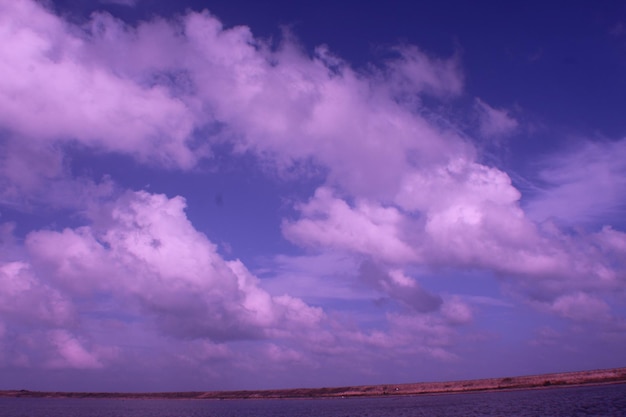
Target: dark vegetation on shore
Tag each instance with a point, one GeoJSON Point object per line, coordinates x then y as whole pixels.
{"type": "Point", "coordinates": [604, 376]}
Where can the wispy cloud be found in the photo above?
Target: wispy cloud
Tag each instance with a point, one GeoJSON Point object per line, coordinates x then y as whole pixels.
{"type": "Point", "coordinates": [494, 123]}
{"type": "Point", "coordinates": [130, 3]}
{"type": "Point", "coordinates": [586, 185]}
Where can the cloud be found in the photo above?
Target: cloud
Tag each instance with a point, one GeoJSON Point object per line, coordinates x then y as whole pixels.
{"type": "Point", "coordinates": [368, 228]}
{"type": "Point", "coordinates": [49, 94]}
{"type": "Point", "coordinates": [400, 187]}
{"type": "Point", "coordinates": [427, 334]}
{"type": "Point", "coordinates": [463, 215]}
{"type": "Point", "coordinates": [287, 106]}
{"type": "Point", "coordinates": [494, 123]}
{"type": "Point", "coordinates": [34, 176]}
{"type": "Point", "coordinates": [469, 215]}
{"type": "Point", "coordinates": [414, 72]}
{"type": "Point", "coordinates": [26, 170]}
{"type": "Point", "coordinates": [143, 90]}
{"type": "Point", "coordinates": [456, 311]}
{"type": "Point", "coordinates": [584, 186]}
{"type": "Point", "coordinates": [321, 276]}
{"type": "Point", "coordinates": [27, 301]}
{"type": "Point", "coordinates": [130, 3]}
{"type": "Point", "coordinates": [108, 87]}
{"type": "Point", "coordinates": [400, 287]}
{"type": "Point", "coordinates": [143, 248]}
{"type": "Point", "coordinates": [71, 352]}
{"type": "Point", "coordinates": [139, 262]}
{"type": "Point", "coordinates": [580, 306]}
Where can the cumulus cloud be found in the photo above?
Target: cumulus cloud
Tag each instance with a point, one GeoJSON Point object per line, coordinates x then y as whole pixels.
{"type": "Point", "coordinates": [144, 248]}
{"type": "Point", "coordinates": [139, 258]}
{"type": "Point", "coordinates": [71, 352]}
{"type": "Point", "coordinates": [128, 90]}
{"type": "Point", "coordinates": [49, 94]}
{"type": "Point", "coordinates": [368, 228]}
{"type": "Point", "coordinates": [41, 324]}
{"type": "Point", "coordinates": [26, 300]}
{"type": "Point", "coordinates": [285, 105]}
{"type": "Point", "coordinates": [462, 214]}
{"type": "Point", "coordinates": [116, 90]}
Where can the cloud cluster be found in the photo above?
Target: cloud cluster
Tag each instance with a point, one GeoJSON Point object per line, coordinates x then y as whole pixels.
{"type": "Point", "coordinates": [142, 254]}
{"type": "Point", "coordinates": [143, 247]}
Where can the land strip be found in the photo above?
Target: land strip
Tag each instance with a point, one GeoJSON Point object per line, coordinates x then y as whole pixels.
{"type": "Point", "coordinates": [603, 376]}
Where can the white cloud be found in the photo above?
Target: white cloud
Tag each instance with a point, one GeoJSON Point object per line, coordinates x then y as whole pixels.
{"type": "Point", "coordinates": [144, 249]}
{"type": "Point", "coordinates": [368, 228]}
{"type": "Point", "coordinates": [26, 300]}
{"type": "Point", "coordinates": [141, 91]}
{"type": "Point", "coordinates": [461, 215]}
{"type": "Point", "coordinates": [49, 94]}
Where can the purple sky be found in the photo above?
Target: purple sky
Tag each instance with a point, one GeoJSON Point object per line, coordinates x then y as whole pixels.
{"type": "Point", "coordinates": [203, 195]}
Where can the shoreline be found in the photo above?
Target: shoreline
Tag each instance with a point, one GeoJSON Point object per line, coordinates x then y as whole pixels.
{"type": "Point", "coordinates": [553, 380]}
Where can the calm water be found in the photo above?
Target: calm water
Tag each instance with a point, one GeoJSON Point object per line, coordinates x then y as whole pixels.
{"type": "Point", "coordinates": [607, 400]}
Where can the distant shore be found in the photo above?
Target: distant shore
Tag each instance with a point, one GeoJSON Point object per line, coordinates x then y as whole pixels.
{"type": "Point", "coordinates": [603, 376]}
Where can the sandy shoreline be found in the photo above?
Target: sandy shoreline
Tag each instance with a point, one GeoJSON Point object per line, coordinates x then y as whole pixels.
{"type": "Point", "coordinates": [603, 376]}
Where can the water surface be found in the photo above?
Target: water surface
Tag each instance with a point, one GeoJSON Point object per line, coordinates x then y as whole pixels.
{"type": "Point", "coordinates": [604, 400]}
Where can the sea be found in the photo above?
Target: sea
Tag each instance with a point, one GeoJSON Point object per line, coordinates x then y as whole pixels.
{"type": "Point", "coordinates": [600, 400]}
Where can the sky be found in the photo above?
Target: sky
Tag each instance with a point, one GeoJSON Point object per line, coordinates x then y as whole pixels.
{"type": "Point", "coordinates": [206, 195]}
